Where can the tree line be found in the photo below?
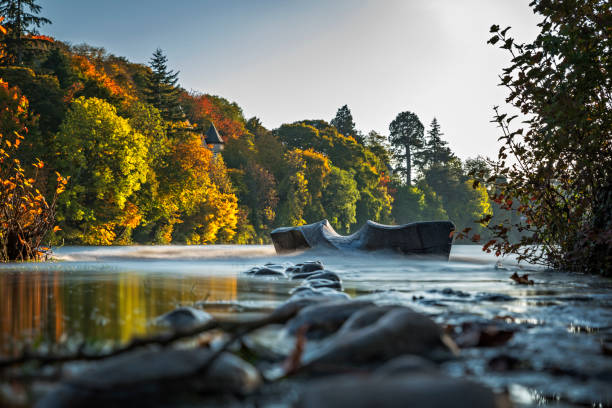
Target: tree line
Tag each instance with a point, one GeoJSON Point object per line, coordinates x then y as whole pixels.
{"type": "Point", "coordinates": [119, 156]}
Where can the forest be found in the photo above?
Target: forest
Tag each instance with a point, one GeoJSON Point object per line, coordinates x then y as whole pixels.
{"type": "Point", "coordinates": [98, 150]}
{"type": "Point", "coordinates": [129, 141]}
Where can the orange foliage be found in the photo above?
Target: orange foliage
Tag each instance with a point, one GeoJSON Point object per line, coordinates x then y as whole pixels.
{"type": "Point", "coordinates": [204, 107]}
{"type": "Point", "coordinates": [90, 71]}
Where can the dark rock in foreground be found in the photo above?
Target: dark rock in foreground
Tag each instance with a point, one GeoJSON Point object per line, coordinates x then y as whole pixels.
{"type": "Point", "coordinates": [419, 238]}
{"type": "Point", "coordinates": [431, 391]}
{"type": "Point", "coordinates": [150, 377]}
{"type": "Point", "coordinates": [375, 336]}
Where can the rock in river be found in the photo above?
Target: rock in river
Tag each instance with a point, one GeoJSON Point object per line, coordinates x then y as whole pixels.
{"type": "Point", "coordinates": [154, 378]}
{"type": "Point", "coordinates": [398, 331]}
{"type": "Point", "coordinates": [183, 317]}
{"type": "Point", "coordinates": [432, 238]}
{"type": "Point", "coordinates": [415, 391]}
{"type": "Point", "coordinates": [321, 320]}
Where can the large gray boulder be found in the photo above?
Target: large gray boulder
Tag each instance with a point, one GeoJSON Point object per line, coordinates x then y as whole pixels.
{"type": "Point", "coordinates": [432, 238]}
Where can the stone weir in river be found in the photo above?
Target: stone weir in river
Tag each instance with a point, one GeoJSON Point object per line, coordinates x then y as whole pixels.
{"type": "Point", "coordinates": [430, 238]}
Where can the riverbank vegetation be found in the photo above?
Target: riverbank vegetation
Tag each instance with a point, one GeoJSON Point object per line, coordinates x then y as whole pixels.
{"type": "Point", "coordinates": [132, 141]}
{"type": "Point", "coordinates": [554, 168]}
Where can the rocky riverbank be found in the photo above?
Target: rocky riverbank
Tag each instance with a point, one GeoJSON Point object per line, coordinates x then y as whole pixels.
{"type": "Point", "coordinates": [326, 348]}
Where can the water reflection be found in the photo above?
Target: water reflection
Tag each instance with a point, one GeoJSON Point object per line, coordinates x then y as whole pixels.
{"type": "Point", "coordinates": [45, 306]}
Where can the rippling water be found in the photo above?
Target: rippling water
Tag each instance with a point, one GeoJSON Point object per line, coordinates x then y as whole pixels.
{"type": "Point", "coordinates": [109, 294]}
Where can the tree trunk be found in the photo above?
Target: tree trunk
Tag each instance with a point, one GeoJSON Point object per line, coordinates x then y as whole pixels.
{"type": "Point", "coordinates": [408, 167]}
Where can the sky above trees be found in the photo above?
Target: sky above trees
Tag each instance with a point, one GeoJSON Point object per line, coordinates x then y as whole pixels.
{"type": "Point", "coordinates": [286, 60]}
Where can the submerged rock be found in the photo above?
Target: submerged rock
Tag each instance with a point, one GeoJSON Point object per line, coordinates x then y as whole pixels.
{"type": "Point", "coordinates": [494, 297]}
{"type": "Point", "coordinates": [183, 317]}
{"type": "Point", "coordinates": [432, 238]}
{"type": "Point", "coordinates": [267, 271]}
{"type": "Point", "coordinates": [419, 390]}
{"type": "Point", "coordinates": [152, 377]}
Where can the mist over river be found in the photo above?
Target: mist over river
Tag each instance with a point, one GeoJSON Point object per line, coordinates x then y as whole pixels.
{"type": "Point", "coordinates": [562, 324]}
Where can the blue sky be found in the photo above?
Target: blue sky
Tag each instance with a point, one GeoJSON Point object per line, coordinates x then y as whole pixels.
{"type": "Point", "coordinates": [287, 60]}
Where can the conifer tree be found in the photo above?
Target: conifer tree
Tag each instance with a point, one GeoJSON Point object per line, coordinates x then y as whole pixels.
{"type": "Point", "coordinates": [406, 138]}
{"type": "Point", "coordinates": [435, 150]}
{"type": "Point", "coordinates": [21, 22]}
{"type": "Point", "coordinates": [162, 91]}
{"type": "Point", "coordinates": [345, 125]}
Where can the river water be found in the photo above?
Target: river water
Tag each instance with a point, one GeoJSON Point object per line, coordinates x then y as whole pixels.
{"type": "Point", "coordinates": [559, 354]}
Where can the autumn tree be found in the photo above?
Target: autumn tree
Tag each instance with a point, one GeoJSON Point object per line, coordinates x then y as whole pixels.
{"type": "Point", "coordinates": [162, 91]}
{"type": "Point", "coordinates": [559, 175]}
{"type": "Point", "coordinates": [406, 138]}
{"type": "Point", "coordinates": [108, 163]}
{"type": "Point", "coordinates": [26, 217]}
{"type": "Point", "coordinates": [21, 21]}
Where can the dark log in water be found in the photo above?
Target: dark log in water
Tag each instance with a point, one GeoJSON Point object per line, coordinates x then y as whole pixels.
{"type": "Point", "coordinates": [432, 238]}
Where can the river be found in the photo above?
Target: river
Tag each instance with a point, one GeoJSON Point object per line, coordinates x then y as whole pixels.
{"type": "Point", "coordinates": [103, 295]}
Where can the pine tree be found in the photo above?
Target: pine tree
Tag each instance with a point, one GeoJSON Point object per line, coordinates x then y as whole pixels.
{"type": "Point", "coordinates": [162, 91]}
{"type": "Point", "coordinates": [406, 140]}
{"type": "Point", "coordinates": [435, 150]}
{"type": "Point", "coordinates": [21, 22]}
{"type": "Point", "coordinates": [345, 125]}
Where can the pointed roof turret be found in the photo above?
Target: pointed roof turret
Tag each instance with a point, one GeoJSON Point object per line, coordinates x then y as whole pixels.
{"type": "Point", "coordinates": [212, 136]}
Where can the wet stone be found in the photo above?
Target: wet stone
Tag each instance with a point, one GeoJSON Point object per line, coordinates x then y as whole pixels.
{"type": "Point", "coordinates": [266, 271]}
{"type": "Point", "coordinates": [407, 364]}
{"type": "Point", "coordinates": [399, 331]}
{"type": "Point", "coordinates": [329, 275]}
{"type": "Point", "coordinates": [494, 297]}
{"type": "Point", "coordinates": [311, 266]}
{"type": "Point", "coordinates": [150, 377]}
{"type": "Point", "coordinates": [303, 275]}
{"type": "Point", "coordinates": [324, 319]}
{"type": "Point", "coordinates": [450, 292]}
{"type": "Point", "coordinates": [419, 390]}
{"type": "Point", "coordinates": [183, 317]}
{"type": "Point", "coordinates": [322, 283]}
{"type": "Point", "coordinates": [301, 292]}
{"type": "Point", "coordinates": [365, 317]}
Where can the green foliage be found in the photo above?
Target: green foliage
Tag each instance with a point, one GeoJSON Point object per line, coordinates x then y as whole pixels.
{"type": "Point", "coordinates": [463, 204]}
{"type": "Point", "coordinates": [107, 160]}
{"type": "Point", "coordinates": [343, 121]}
{"type": "Point", "coordinates": [559, 176]}
{"type": "Point", "coordinates": [435, 150]}
{"type": "Point", "coordinates": [413, 204]}
{"type": "Point", "coordinates": [406, 138]}
{"type": "Point", "coordinates": [161, 87]}
{"type": "Point", "coordinates": [340, 200]}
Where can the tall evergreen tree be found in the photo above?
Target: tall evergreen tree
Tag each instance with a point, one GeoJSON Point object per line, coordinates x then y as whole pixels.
{"type": "Point", "coordinates": [407, 140]}
{"type": "Point", "coordinates": [435, 150]}
{"type": "Point", "coordinates": [345, 125]}
{"type": "Point", "coordinates": [162, 91]}
{"type": "Point", "coordinates": [21, 22]}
